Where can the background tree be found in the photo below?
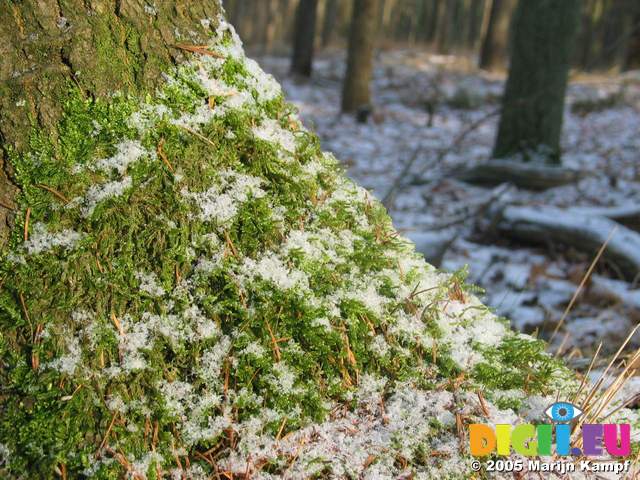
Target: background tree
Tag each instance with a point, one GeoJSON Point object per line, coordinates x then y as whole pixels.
{"type": "Point", "coordinates": [329, 22]}
{"type": "Point", "coordinates": [632, 55]}
{"type": "Point", "coordinates": [356, 88]}
{"type": "Point", "coordinates": [304, 38]}
{"type": "Point", "coordinates": [495, 43]}
{"type": "Point", "coordinates": [114, 46]}
{"type": "Point", "coordinates": [533, 103]}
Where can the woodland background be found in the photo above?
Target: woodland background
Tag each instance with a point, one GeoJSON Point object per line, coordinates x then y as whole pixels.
{"type": "Point", "coordinates": [437, 93]}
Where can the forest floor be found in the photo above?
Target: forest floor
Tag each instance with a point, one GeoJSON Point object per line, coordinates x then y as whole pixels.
{"type": "Point", "coordinates": [442, 115]}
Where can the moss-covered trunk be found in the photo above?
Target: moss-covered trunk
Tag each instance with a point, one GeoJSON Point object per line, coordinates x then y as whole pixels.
{"type": "Point", "coordinates": [533, 103]}
{"type": "Point", "coordinates": [101, 46]}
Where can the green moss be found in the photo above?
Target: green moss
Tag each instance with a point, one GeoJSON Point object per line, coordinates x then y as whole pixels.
{"type": "Point", "coordinates": [289, 345]}
{"type": "Point", "coordinates": [518, 363]}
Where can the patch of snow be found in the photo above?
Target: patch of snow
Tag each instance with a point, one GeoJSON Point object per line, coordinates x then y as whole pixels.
{"type": "Point", "coordinates": [41, 240]}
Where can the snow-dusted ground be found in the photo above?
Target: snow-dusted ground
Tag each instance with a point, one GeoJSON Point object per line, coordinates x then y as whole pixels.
{"type": "Point", "coordinates": [531, 285]}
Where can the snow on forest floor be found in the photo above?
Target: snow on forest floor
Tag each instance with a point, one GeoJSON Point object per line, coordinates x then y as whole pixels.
{"type": "Point", "coordinates": [529, 284]}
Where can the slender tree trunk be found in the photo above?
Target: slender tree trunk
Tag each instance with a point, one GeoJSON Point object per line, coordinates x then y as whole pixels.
{"type": "Point", "coordinates": [494, 48]}
{"type": "Point", "coordinates": [271, 25]}
{"type": "Point", "coordinates": [533, 103]}
{"type": "Point", "coordinates": [632, 55]}
{"type": "Point", "coordinates": [304, 38]}
{"type": "Point", "coordinates": [433, 22]}
{"type": "Point", "coordinates": [586, 35]}
{"type": "Point", "coordinates": [445, 20]}
{"type": "Point", "coordinates": [475, 22]}
{"type": "Point", "coordinates": [356, 89]}
{"type": "Point", "coordinates": [329, 22]}
{"type": "Point", "coordinates": [101, 46]}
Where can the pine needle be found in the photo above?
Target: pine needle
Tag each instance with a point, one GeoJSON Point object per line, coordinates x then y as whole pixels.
{"type": "Point", "coordinates": [163, 155]}
{"type": "Point", "coordinates": [284, 422]}
{"type": "Point", "coordinates": [117, 324]}
{"type": "Point", "coordinates": [26, 224]}
{"type": "Point", "coordinates": [54, 192]}
{"type": "Point", "coordinates": [197, 134]}
{"type": "Point", "coordinates": [201, 49]}
{"type": "Point", "coordinates": [106, 435]}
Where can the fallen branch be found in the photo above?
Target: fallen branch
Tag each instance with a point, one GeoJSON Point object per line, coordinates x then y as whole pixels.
{"type": "Point", "coordinates": [583, 232]}
{"type": "Point", "coordinates": [627, 215]}
{"type": "Point", "coordinates": [528, 175]}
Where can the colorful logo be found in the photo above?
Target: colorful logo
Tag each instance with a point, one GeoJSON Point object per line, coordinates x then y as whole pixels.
{"type": "Point", "coordinates": [537, 440]}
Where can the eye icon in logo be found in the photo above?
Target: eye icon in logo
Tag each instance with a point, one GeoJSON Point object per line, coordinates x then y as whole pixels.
{"type": "Point", "coordinates": [562, 412]}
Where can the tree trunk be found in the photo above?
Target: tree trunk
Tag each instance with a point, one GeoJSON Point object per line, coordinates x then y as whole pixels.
{"type": "Point", "coordinates": [494, 50]}
{"type": "Point", "coordinates": [304, 37]}
{"type": "Point", "coordinates": [432, 29]}
{"type": "Point", "coordinates": [356, 89]}
{"type": "Point", "coordinates": [475, 23]}
{"type": "Point", "coordinates": [533, 103]}
{"type": "Point", "coordinates": [329, 22]}
{"type": "Point", "coordinates": [100, 46]}
{"type": "Point", "coordinates": [445, 25]}
{"type": "Point", "coordinates": [632, 56]}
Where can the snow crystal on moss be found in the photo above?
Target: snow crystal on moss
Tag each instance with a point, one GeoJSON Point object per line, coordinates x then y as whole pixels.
{"type": "Point", "coordinates": [99, 193]}
{"type": "Point", "coordinates": [221, 202]}
{"type": "Point", "coordinates": [271, 131]}
{"type": "Point", "coordinates": [127, 153]}
{"type": "Point", "coordinates": [272, 269]}
{"type": "Point", "coordinates": [149, 284]}
{"type": "Point", "coordinates": [41, 240]}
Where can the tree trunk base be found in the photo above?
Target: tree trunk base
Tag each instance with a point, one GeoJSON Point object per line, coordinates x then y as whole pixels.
{"type": "Point", "coordinates": [530, 176]}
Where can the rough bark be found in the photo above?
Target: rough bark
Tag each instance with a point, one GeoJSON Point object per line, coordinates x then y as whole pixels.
{"type": "Point", "coordinates": [533, 103]}
{"type": "Point", "coordinates": [356, 89]}
{"type": "Point", "coordinates": [304, 38]}
{"type": "Point", "coordinates": [100, 47]}
{"type": "Point", "coordinates": [495, 43]}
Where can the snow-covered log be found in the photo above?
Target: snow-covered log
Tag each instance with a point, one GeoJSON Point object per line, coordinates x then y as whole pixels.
{"type": "Point", "coordinates": [583, 232]}
{"type": "Point", "coordinates": [628, 215]}
{"type": "Point", "coordinates": [529, 175]}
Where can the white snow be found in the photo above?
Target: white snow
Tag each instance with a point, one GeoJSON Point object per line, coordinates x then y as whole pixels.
{"type": "Point", "coordinates": [127, 153]}
{"type": "Point", "coordinates": [101, 192]}
{"type": "Point", "coordinates": [41, 240]}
